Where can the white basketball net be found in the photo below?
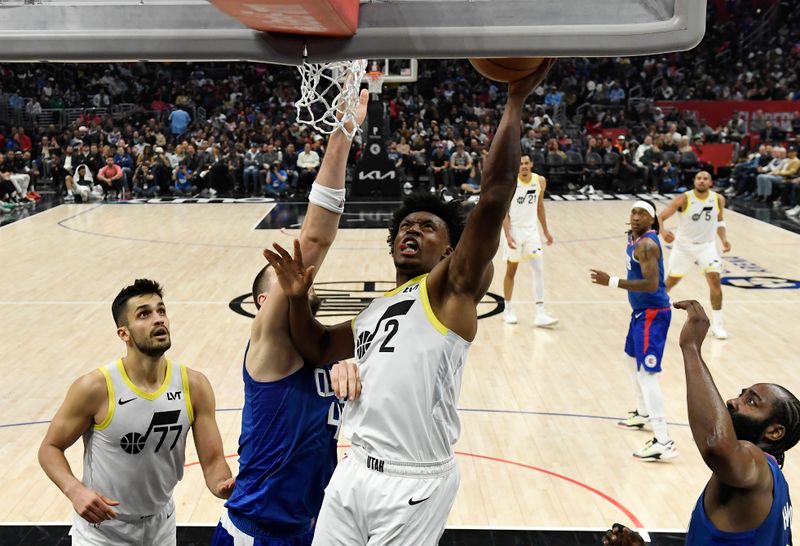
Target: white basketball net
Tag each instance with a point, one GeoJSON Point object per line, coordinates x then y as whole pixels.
{"type": "Point", "coordinates": [329, 95]}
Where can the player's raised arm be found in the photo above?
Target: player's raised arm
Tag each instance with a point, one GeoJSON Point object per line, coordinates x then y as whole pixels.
{"type": "Point", "coordinates": [317, 344]}
{"type": "Point", "coordinates": [736, 463]}
{"type": "Point", "coordinates": [678, 203]}
{"type": "Point", "coordinates": [325, 207]}
{"type": "Point", "coordinates": [465, 271]}
{"type": "Point", "coordinates": [326, 200]}
{"type": "Point", "coordinates": [85, 398]}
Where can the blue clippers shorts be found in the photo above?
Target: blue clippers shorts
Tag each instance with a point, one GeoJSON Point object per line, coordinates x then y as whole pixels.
{"type": "Point", "coordinates": [647, 336]}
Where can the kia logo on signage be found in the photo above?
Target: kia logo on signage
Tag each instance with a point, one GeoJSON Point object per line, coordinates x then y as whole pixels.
{"type": "Point", "coordinates": [376, 175]}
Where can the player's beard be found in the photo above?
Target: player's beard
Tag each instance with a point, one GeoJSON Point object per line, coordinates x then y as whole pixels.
{"type": "Point", "coordinates": [748, 428]}
{"type": "Point", "coordinates": [152, 347]}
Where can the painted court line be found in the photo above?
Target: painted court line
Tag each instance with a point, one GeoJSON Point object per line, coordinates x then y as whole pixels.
{"type": "Point", "coordinates": [516, 302]}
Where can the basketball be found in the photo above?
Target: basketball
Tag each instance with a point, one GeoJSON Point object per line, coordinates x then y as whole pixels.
{"type": "Point", "coordinates": [507, 69]}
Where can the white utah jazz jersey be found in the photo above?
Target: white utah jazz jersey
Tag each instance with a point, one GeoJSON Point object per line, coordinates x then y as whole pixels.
{"type": "Point", "coordinates": [698, 221]}
{"type": "Point", "coordinates": [410, 366]}
{"type": "Point", "coordinates": [525, 204]}
{"type": "Point", "coordinates": [136, 455]}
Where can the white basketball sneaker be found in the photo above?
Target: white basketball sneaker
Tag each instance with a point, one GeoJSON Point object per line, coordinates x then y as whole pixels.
{"type": "Point", "coordinates": [635, 421]}
{"type": "Point", "coordinates": [718, 331]}
{"type": "Point", "coordinates": [654, 450]}
{"type": "Point", "coordinates": [509, 316]}
{"type": "Point", "coordinates": [543, 320]}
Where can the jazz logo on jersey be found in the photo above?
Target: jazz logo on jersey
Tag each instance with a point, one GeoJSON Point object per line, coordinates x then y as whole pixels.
{"type": "Point", "coordinates": [390, 327]}
{"type": "Point", "coordinates": [706, 210]}
{"type": "Point", "coordinates": [530, 195]}
{"type": "Point", "coordinates": [163, 422]}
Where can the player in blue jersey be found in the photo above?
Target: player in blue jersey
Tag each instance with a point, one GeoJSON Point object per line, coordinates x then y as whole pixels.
{"type": "Point", "coordinates": [290, 420]}
{"type": "Point", "coordinates": [647, 333]}
{"type": "Point", "coordinates": [743, 442]}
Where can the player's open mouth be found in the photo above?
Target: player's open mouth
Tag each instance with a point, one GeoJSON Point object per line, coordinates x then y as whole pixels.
{"type": "Point", "coordinates": [409, 247]}
{"type": "Point", "coordinates": [161, 332]}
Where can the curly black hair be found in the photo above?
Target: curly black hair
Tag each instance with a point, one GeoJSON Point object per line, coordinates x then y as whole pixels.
{"type": "Point", "coordinates": [451, 213]}
{"type": "Point", "coordinates": [786, 413]}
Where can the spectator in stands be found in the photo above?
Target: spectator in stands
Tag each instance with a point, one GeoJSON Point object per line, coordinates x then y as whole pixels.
{"type": "Point", "coordinates": [796, 123]}
{"type": "Point", "coordinates": [439, 170]}
{"type": "Point", "coordinates": [277, 181]}
{"type": "Point", "coordinates": [183, 181]}
{"type": "Point", "coordinates": [110, 178]}
{"type": "Point", "coordinates": [144, 181]}
{"type": "Point", "coordinates": [94, 159]}
{"type": "Point", "coordinates": [81, 186]}
{"type": "Point", "coordinates": [461, 165]}
{"type": "Point", "coordinates": [12, 170]}
{"type": "Point", "coordinates": [771, 174]}
{"type": "Point", "coordinates": [289, 164]}
{"type": "Point", "coordinates": [179, 122]}
{"type": "Point", "coordinates": [782, 178]}
{"type": "Point", "coordinates": [308, 166]}
{"type": "Point", "coordinates": [252, 166]}
{"type": "Point", "coordinates": [473, 184]}
{"type": "Point", "coordinates": [125, 162]}
{"type": "Point", "coordinates": [770, 133]}
{"type": "Point", "coordinates": [553, 96]}
{"type": "Point", "coordinates": [746, 170]}
{"type": "Point", "coordinates": [758, 122]}
{"type": "Point", "coordinates": [23, 141]}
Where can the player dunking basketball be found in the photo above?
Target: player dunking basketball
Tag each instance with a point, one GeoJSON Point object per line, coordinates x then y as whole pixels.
{"type": "Point", "coordinates": [522, 241]}
{"type": "Point", "coordinates": [701, 219]}
{"type": "Point", "coordinates": [399, 480]}
{"type": "Point", "coordinates": [291, 415]}
{"type": "Point", "coordinates": [134, 415]}
{"type": "Point", "coordinates": [647, 332]}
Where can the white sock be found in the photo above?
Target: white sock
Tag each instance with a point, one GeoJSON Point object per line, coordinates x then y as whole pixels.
{"type": "Point", "coordinates": [508, 305]}
{"type": "Point", "coordinates": [654, 398]}
{"type": "Point", "coordinates": [716, 317]}
{"type": "Point", "coordinates": [641, 407]}
{"type": "Point", "coordinates": [537, 264]}
{"type": "Point", "coordinates": [540, 308]}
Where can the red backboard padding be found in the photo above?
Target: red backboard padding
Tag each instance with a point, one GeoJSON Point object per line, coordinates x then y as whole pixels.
{"type": "Point", "coordinates": [337, 18]}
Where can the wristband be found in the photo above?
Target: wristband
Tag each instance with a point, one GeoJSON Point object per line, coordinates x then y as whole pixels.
{"type": "Point", "coordinates": [328, 198]}
{"type": "Point", "coordinates": [721, 223]}
{"type": "Point", "coordinates": [613, 282]}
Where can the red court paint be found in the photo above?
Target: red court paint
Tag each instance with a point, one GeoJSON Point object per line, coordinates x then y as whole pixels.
{"type": "Point", "coordinates": [636, 522]}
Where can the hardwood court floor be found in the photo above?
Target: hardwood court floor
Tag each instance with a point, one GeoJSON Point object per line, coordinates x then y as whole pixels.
{"type": "Point", "coordinates": [538, 448]}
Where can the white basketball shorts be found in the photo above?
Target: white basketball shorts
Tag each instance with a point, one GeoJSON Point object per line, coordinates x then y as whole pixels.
{"type": "Point", "coordinates": [704, 255]}
{"type": "Point", "coordinates": [378, 503]}
{"type": "Point", "coordinates": [155, 530]}
{"type": "Point", "coordinates": [529, 244]}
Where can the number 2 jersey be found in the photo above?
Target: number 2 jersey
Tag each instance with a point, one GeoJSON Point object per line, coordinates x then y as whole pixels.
{"type": "Point", "coordinates": [411, 367]}
{"type": "Point", "coordinates": [287, 448]}
{"type": "Point", "coordinates": [136, 455]}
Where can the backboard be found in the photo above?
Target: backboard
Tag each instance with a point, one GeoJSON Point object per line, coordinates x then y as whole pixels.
{"type": "Point", "coordinates": [130, 30]}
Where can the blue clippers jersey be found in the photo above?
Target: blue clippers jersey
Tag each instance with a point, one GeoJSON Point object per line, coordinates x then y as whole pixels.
{"type": "Point", "coordinates": [775, 530]}
{"type": "Point", "coordinates": [646, 300]}
{"type": "Point", "coordinates": [287, 448]}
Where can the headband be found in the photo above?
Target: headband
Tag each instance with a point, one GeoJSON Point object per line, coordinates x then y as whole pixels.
{"type": "Point", "coordinates": [645, 206]}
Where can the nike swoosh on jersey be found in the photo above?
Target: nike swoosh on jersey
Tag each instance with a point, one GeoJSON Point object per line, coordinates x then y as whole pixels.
{"type": "Point", "coordinates": [122, 402]}
{"type": "Point", "coordinates": [412, 502]}
{"type": "Point", "coordinates": [637, 315]}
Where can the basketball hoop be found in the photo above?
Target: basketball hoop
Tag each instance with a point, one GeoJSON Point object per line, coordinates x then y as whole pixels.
{"type": "Point", "coordinates": [375, 81]}
{"type": "Point", "coordinates": [329, 95]}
